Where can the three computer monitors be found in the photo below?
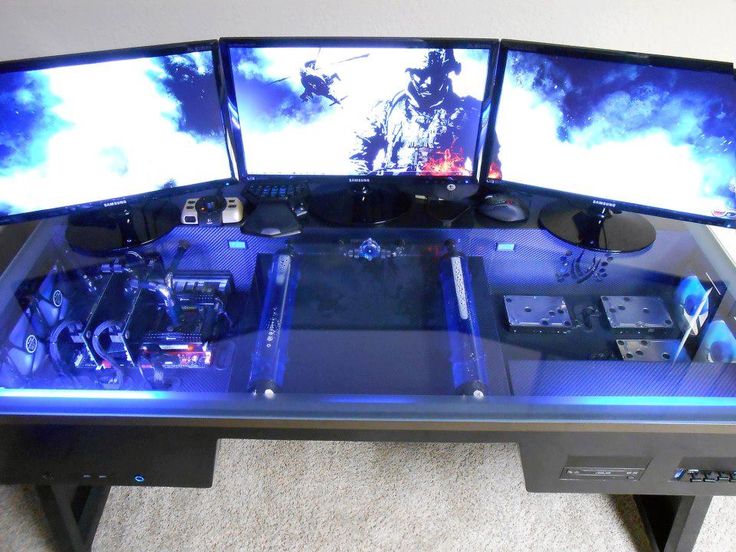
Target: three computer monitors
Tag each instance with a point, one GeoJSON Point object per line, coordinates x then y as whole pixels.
{"type": "Point", "coordinates": [643, 133]}
{"type": "Point", "coordinates": [91, 130]}
{"type": "Point", "coordinates": [359, 107]}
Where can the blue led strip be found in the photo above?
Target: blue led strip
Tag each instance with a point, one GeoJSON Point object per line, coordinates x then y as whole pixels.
{"type": "Point", "coordinates": [386, 399]}
{"type": "Point", "coordinates": [82, 394]}
{"type": "Point", "coordinates": [636, 401]}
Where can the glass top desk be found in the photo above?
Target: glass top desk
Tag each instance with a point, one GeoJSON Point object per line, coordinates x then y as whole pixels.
{"type": "Point", "coordinates": [614, 372]}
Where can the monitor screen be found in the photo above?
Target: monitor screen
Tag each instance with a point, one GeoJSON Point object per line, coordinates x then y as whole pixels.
{"type": "Point", "coordinates": [655, 136]}
{"type": "Point", "coordinates": [359, 110]}
{"type": "Point", "coordinates": [79, 133]}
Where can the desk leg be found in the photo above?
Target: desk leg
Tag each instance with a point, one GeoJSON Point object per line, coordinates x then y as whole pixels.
{"type": "Point", "coordinates": [73, 513]}
{"type": "Point", "coordinates": [672, 523]}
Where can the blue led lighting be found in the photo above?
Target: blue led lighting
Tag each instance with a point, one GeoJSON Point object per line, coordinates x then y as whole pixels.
{"type": "Point", "coordinates": [82, 394]}
{"type": "Point", "coordinates": [640, 401]}
{"type": "Point", "coordinates": [643, 401]}
{"type": "Point", "coordinates": [370, 399]}
{"type": "Point", "coordinates": [582, 400]}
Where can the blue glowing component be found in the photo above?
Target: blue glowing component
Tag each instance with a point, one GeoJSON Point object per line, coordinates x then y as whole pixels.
{"type": "Point", "coordinates": [643, 401]}
{"type": "Point", "coordinates": [690, 294]}
{"type": "Point", "coordinates": [370, 399]}
{"type": "Point", "coordinates": [82, 394]}
{"type": "Point", "coordinates": [718, 344]}
{"type": "Point", "coordinates": [139, 478]}
{"type": "Point", "coordinates": [467, 356]}
{"type": "Point", "coordinates": [270, 355]}
{"type": "Point", "coordinates": [505, 246]}
{"type": "Point", "coordinates": [369, 249]}
{"type": "Point", "coordinates": [237, 244]}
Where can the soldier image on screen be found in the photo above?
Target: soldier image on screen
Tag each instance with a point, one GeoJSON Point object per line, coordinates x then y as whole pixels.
{"type": "Point", "coordinates": [316, 83]}
{"type": "Point", "coordinates": [426, 129]}
{"type": "Point", "coordinates": [317, 80]}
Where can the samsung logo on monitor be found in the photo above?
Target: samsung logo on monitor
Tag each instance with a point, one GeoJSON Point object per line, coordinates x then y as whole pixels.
{"type": "Point", "coordinates": [604, 203]}
{"type": "Point", "coordinates": [113, 203]}
{"type": "Point", "coordinates": [359, 179]}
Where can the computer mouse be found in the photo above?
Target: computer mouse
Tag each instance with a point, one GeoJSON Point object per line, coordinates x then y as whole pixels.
{"type": "Point", "coordinates": [504, 208]}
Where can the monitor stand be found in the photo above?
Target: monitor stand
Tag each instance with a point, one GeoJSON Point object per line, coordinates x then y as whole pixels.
{"type": "Point", "coordinates": [597, 228]}
{"type": "Point", "coordinates": [445, 211]}
{"type": "Point", "coordinates": [358, 205]}
{"type": "Point", "coordinates": [111, 230]}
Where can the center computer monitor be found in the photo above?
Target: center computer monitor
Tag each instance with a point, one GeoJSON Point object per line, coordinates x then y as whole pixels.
{"type": "Point", "coordinates": [361, 120]}
{"type": "Point", "coordinates": [95, 135]}
{"type": "Point", "coordinates": [615, 131]}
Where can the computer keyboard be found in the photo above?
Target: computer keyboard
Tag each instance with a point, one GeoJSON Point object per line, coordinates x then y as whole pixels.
{"type": "Point", "coordinates": [292, 192]}
{"type": "Point", "coordinates": [277, 208]}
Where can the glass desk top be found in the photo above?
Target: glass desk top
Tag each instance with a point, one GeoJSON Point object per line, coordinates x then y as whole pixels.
{"type": "Point", "coordinates": [477, 324]}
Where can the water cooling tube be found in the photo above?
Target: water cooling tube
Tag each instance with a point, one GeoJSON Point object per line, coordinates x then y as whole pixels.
{"type": "Point", "coordinates": [466, 348]}
{"type": "Point", "coordinates": [270, 355]}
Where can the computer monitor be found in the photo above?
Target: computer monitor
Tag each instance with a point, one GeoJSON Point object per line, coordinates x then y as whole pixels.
{"type": "Point", "coordinates": [615, 131]}
{"type": "Point", "coordinates": [97, 135]}
{"type": "Point", "coordinates": [361, 120]}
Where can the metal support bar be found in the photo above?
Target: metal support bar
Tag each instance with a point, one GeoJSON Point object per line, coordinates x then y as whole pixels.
{"type": "Point", "coordinates": [672, 523]}
{"type": "Point", "coordinates": [73, 513]}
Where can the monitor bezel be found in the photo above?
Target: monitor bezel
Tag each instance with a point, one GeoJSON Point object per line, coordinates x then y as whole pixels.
{"type": "Point", "coordinates": [654, 60]}
{"type": "Point", "coordinates": [84, 58]}
{"type": "Point", "coordinates": [444, 187]}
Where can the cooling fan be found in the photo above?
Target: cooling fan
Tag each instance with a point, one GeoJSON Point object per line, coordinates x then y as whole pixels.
{"type": "Point", "coordinates": [47, 328]}
{"type": "Point", "coordinates": [52, 300]}
{"type": "Point", "coordinates": [24, 353]}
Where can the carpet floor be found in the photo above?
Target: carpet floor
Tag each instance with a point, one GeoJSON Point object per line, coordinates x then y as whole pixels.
{"type": "Point", "coordinates": [309, 496]}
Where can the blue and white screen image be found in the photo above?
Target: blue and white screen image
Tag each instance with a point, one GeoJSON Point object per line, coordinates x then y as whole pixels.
{"type": "Point", "coordinates": [359, 111]}
{"type": "Point", "coordinates": [78, 134]}
{"type": "Point", "coordinates": [655, 136]}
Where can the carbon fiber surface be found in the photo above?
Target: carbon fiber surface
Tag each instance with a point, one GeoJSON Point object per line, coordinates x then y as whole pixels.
{"type": "Point", "coordinates": [534, 263]}
{"type": "Point", "coordinates": [619, 378]}
{"type": "Point", "coordinates": [516, 261]}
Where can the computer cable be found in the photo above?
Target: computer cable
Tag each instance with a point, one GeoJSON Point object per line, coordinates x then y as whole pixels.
{"type": "Point", "coordinates": [221, 311]}
{"type": "Point", "coordinates": [181, 250]}
{"type": "Point", "coordinates": [105, 327]}
{"type": "Point", "coordinates": [159, 381]}
{"type": "Point", "coordinates": [132, 253]}
{"type": "Point", "coordinates": [71, 327]}
{"type": "Point", "coordinates": [165, 293]}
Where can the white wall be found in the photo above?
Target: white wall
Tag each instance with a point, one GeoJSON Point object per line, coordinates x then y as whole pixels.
{"type": "Point", "coordinates": [693, 28]}
{"type": "Point", "coordinates": [704, 28]}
